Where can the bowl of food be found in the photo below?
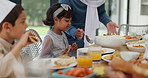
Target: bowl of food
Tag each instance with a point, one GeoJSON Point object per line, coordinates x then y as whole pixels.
{"type": "Point", "coordinates": [129, 55]}
{"type": "Point", "coordinates": [77, 72]}
{"type": "Point", "coordinates": [132, 38]}
{"type": "Point", "coordinates": [114, 41]}
{"type": "Point", "coordinates": [136, 47]}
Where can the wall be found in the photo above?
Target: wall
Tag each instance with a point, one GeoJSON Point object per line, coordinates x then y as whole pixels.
{"type": "Point", "coordinates": [135, 16]}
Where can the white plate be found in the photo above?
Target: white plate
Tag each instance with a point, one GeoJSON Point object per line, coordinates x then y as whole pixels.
{"type": "Point", "coordinates": [103, 58]}
{"type": "Point", "coordinates": [51, 65]}
{"type": "Point", "coordinates": [108, 50]}
{"type": "Point", "coordinates": [130, 47]}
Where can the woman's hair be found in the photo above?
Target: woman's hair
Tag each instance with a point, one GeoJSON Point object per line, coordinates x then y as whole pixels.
{"type": "Point", "coordinates": [13, 15]}
{"type": "Point", "coordinates": [50, 14]}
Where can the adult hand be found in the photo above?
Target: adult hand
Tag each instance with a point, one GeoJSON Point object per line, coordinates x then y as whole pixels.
{"type": "Point", "coordinates": [111, 27]}
{"type": "Point", "coordinates": [79, 33]}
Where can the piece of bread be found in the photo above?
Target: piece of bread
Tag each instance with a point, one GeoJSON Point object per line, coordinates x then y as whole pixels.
{"type": "Point", "coordinates": [33, 39]}
{"type": "Point", "coordinates": [65, 61]}
{"type": "Point", "coordinates": [140, 70]}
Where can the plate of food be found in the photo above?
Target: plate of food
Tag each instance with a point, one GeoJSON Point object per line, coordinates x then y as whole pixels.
{"type": "Point", "coordinates": [61, 63]}
{"type": "Point", "coordinates": [107, 58]}
{"type": "Point", "coordinates": [77, 72]}
{"type": "Point", "coordinates": [132, 38]}
{"type": "Point", "coordinates": [136, 47]}
{"type": "Point", "coordinates": [107, 50]}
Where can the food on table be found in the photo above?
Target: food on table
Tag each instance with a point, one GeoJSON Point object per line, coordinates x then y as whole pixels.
{"type": "Point", "coordinates": [139, 46]}
{"type": "Point", "coordinates": [141, 70]}
{"type": "Point", "coordinates": [103, 50]}
{"type": "Point", "coordinates": [136, 42]}
{"type": "Point", "coordinates": [136, 70]}
{"type": "Point", "coordinates": [59, 66]}
{"type": "Point", "coordinates": [64, 56]}
{"type": "Point", "coordinates": [132, 37]}
{"type": "Point", "coordinates": [100, 70]}
{"type": "Point", "coordinates": [111, 56]}
{"type": "Point", "coordinates": [111, 73]}
{"type": "Point", "coordinates": [33, 39]}
{"type": "Point", "coordinates": [76, 72]}
{"type": "Point", "coordinates": [65, 61]}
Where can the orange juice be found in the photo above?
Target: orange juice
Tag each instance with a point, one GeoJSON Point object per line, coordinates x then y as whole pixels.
{"type": "Point", "coordinates": [95, 55]}
{"type": "Point", "coordinates": [84, 61]}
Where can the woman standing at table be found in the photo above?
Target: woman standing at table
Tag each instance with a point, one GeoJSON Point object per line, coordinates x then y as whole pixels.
{"type": "Point", "coordinates": [87, 14]}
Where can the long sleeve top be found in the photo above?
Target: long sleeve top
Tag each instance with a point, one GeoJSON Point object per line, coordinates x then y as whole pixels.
{"type": "Point", "coordinates": [78, 20]}
{"type": "Point", "coordinates": [53, 45]}
{"type": "Point", "coordinates": [10, 66]}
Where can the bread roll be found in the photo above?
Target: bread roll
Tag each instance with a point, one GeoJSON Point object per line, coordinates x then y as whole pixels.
{"type": "Point", "coordinates": [65, 62]}
{"type": "Point", "coordinates": [33, 39]}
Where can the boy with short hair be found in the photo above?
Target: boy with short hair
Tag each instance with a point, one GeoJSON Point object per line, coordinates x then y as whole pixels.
{"type": "Point", "coordinates": [12, 27]}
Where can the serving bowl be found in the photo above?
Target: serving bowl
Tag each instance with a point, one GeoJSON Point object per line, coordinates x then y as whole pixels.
{"type": "Point", "coordinates": [129, 55]}
{"type": "Point", "coordinates": [138, 49]}
{"type": "Point", "coordinates": [114, 41]}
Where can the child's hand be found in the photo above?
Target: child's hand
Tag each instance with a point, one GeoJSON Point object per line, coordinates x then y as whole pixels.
{"type": "Point", "coordinates": [24, 39]}
{"type": "Point", "coordinates": [67, 50]}
{"type": "Point", "coordinates": [79, 33]}
{"type": "Point", "coordinates": [74, 46]}
{"type": "Point", "coordinates": [70, 48]}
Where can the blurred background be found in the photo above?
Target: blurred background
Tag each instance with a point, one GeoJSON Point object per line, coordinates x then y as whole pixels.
{"type": "Point", "coordinates": [133, 12]}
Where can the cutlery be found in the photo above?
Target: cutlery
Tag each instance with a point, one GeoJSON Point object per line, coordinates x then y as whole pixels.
{"type": "Point", "coordinates": [89, 40]}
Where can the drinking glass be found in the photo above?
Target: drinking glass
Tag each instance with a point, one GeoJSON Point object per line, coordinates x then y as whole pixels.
{"type": "Point", "coordinates": [95, 52]}
{"type": "Point", "coordinates": [83, 58]}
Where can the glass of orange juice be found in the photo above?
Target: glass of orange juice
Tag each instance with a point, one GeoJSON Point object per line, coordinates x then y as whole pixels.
{"type": "Point", "coordinates": [95, 52]}
{"type": "Point", "coordinates": [83, 58]}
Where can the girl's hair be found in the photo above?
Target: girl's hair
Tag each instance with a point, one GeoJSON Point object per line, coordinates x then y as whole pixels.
{"type": "Point", "coordinates": [49, 15]}
{"type": "Point", "coordinates": [13, 15]}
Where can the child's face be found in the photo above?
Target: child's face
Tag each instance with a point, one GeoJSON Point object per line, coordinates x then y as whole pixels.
{"type": "Point", "coordinates": [20, 26]}
{"type": "Point", "coordinates": [63, 24]}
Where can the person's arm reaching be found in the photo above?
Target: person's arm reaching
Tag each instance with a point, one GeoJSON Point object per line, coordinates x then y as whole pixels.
{"type": "Point", "coordinates": [103, 17]}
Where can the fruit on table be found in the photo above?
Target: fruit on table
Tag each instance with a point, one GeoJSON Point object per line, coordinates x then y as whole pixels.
{"type": "Point", "coordinates": [100, 70]}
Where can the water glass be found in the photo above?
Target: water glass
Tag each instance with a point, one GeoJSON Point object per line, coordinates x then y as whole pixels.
{"type": "Point", "coordinates": [83, 58]}
{"type": "Point", "coordinates": [95, 52]}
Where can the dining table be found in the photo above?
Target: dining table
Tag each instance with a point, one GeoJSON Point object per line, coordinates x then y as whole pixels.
{"type": "Point", "coordinates": [105, 63]}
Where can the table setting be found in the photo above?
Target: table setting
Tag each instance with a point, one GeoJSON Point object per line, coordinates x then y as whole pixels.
{"type": "Point", "coordinates": [99, 59]}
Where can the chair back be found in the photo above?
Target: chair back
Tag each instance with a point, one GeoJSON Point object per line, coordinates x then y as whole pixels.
{"type": "Point", "coordinates": [33, 50]}
{"type": "Point", "coordinates": [133, 30]}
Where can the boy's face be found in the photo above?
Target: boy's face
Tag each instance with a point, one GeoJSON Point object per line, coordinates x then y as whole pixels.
{"type": "Point", "coordinates": [64, 24]}
{"type": "Point", "coordinates": [20, 26]}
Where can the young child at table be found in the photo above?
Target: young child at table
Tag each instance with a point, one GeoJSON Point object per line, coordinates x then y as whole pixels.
{"type": "Point", "coordinates": [55, 42]}
{"type": "Point", "coordinates": [12, 27]}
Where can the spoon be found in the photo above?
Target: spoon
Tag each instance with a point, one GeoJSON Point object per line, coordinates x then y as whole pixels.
{"type": "Point", "coordinates": [89, 40]}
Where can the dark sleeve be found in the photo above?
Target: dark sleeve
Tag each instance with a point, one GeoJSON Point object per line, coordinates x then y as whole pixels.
{"type": "Point", "coordinates": [71, 31]}
{"type": "Point", "coordinates": [17, 1]}
{"type": "Point", "coordinates": [103, 17]}
{"type": "Point", "coordinates": [65, 2]}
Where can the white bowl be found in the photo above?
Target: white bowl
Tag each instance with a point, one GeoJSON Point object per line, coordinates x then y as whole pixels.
{"type": "Point", "coordinates": [114, 41]}
{"type": "Point", "coordinates": [129, 55]}
{"type": "Point", "coordinates": [138, 49]}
